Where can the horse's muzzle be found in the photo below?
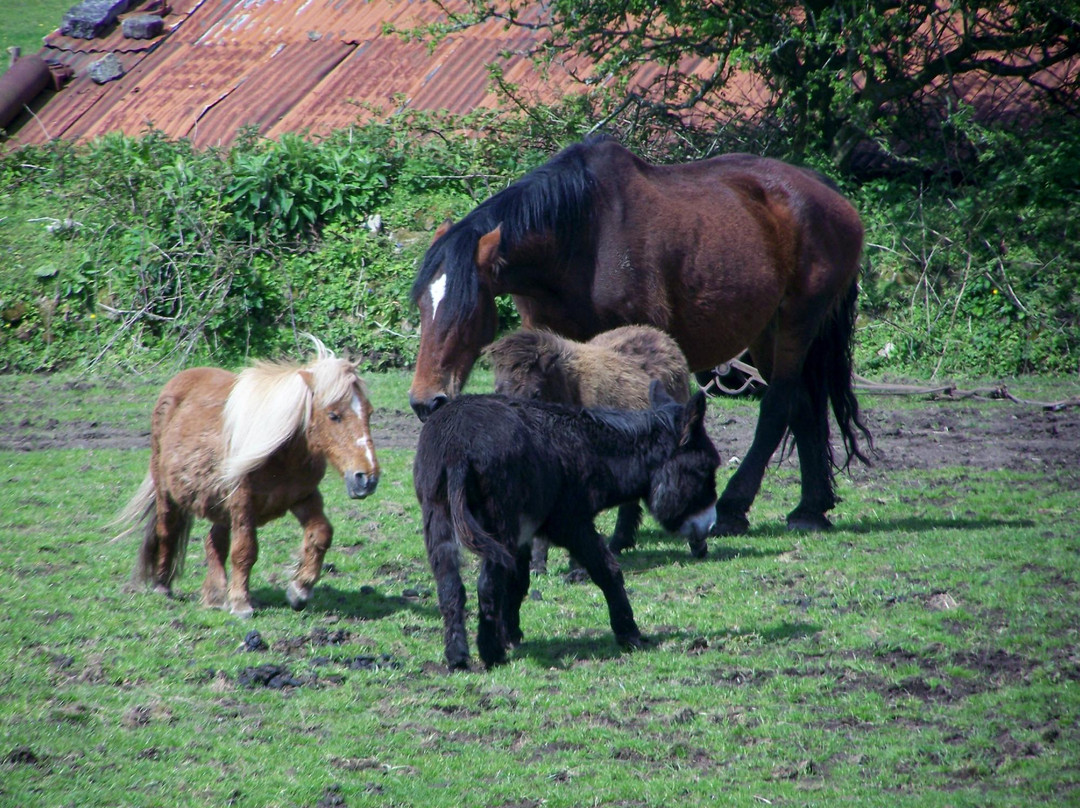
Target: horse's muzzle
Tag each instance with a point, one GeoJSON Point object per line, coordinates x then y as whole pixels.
{"type": "Point", "coordinates": [359, 484]}
{"type": "Point", "coordinates": [424, 409]}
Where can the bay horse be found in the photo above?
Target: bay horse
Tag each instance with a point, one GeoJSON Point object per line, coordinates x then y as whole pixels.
{"type": "Point", "coordinates": [241, 450]}
{"type": "Point", "coordinates": [731, 252]}
{"type": "Point", "coordinates": [612, 370]}
{"type": "Point", "coordinates": [492, 472]}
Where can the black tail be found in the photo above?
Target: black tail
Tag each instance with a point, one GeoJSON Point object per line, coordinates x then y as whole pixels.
{"type": "Point", "coordinates": [828, 372]}
{"type": "Point", "coordinates": [469, 532]}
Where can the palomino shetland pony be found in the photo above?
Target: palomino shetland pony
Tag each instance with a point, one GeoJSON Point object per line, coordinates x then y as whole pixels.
{"type": "Point", "coordinates": [732, 252]}
{"type": "Point", "coordinates": [613, 370]}
{"type": "Point", "coordinates": [491, 472]}
{"type": "Point", "coordinates": [241, 450]}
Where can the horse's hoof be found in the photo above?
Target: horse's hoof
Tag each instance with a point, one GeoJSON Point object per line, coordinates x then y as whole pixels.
{"type": "Point", "coordinates": [538, 569]}
{"type": "Point", "coordinates": [631, 642]}
{"type": "Point", "coordinates": [297, 596]}
{"type": "Point", "coordinates": [619, 543]}
{"type": "Point", "coordinates": [243, 611]}
{"type": "Point", "coordinates": [729, 524]}
{"type": "Point", "coordinates": [699, 548]}
{"type": "Point", "coordinates": [576, 575]}
{"type": "Point", "coordinates": [808, 521]}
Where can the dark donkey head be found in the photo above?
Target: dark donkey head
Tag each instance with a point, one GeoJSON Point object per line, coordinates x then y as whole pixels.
{"type": "Point", "coordinates": [682, 482]}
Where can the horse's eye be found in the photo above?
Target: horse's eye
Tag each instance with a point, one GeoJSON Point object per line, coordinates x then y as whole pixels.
{"type": "Point", "coordinates": [335, 416]}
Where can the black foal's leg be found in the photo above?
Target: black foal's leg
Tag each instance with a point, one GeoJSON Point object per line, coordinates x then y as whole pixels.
{"type": "Point", "coordinates": [517, 587]}
{"type": "Point", "coordinates": [491, 640]}
{"type": "Point", "coordinates": [626, 527]}
{"type": "Point", "coordinates": [743, 486]}
{"type": "Point", "coordinates": [588, 548]}
{"type": "Point", "coordinates": [810, 426]}
{"type": "Point", "coordinates": [444, 556]}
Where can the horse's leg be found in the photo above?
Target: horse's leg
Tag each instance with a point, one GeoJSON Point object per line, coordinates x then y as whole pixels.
{"type": "Point", "coordinates": [318, 534]}
{"type": "Point", "coordinates": [491, 638]}
{"type": "Point", "coordinates": [444, 557]}
{"type": "Point", "coordinates": [540, 548]}
{"type": "Point", "coordinates": [588, 548]}
{"type": "Point", "coordinates": [170, 526]}
{"type": "Point", "coordinates": [215, 585]}
{"type": "Point", "coordinates": [517, 587]}
{"type": "Point", "coordinates": [626, 527]}
{"type": "Point", "coordinates": [810, 426]}
{"type": "Point", "coordinates": [743, 485]}
{"type": "Point", "coordinates": [245, 551]}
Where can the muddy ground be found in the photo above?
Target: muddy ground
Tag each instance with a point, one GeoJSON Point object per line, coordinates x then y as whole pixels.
{"type": "Point", "coordinates": [908, 433]}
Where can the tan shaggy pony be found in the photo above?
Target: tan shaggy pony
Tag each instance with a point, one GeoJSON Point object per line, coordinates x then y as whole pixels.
{"type": "Point", "coordinates": [241, 450]}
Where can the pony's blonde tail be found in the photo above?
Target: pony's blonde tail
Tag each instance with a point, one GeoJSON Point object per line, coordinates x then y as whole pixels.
{"type": "Point", "coordinates": [138, 510]}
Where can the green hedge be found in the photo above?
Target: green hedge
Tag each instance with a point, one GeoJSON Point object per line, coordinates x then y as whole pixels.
{"type": "Point", "coordinates": [137, 251]}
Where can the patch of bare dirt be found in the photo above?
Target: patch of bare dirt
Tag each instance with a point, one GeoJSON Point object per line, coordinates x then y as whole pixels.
{"type": "Point", "coordinates": [988, 435]}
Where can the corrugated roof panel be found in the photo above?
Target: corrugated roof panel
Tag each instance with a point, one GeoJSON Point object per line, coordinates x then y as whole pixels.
{"type": "Point", "coordinates": [270, 91]}
{"type": "Point", "coordinates": [296, 65]}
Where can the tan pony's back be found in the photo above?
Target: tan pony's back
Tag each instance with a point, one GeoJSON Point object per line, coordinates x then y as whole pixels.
{"type": "Point", "coordinates": [240, 450]}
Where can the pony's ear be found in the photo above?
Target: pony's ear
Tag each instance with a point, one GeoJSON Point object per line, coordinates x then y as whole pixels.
{"type": "Point", "coordinates": [693, 416]}
{"type": "Point", "coordinates": [658, 396]}
{"type": "Point", "coordinates": [440, 231]}
{"type": "Point", "coordinates": [487, 249]}
{"type": "Point", "coordinates": [309, 380]}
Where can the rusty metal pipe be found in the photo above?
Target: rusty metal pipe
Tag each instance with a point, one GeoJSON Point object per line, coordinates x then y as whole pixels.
{"type": "Point", "coordinates": [20, 85]}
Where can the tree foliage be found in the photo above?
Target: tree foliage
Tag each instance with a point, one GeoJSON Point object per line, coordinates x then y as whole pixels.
{"type": "Point", "coordinates": [821, 76]}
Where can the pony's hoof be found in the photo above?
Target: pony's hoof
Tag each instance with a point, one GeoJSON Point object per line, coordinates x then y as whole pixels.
{"type": "Point", "coordinates": [297, 596]}
{"type": "Point", "coordinates": [244, 611]}
{"type": "Point", "coordinates": [631, 642]}
{"type": "Point", "coordinates": [729, 524]}
{"type": "Point", "coordinates": [619, 543]}
{"type": "Point", "coordinates": [809, 521]}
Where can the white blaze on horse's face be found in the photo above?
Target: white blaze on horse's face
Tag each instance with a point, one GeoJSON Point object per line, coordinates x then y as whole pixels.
{"type": "Point", "coordinates": [364, 441]}
{"type": "Point", "coordinates": [438, 292]}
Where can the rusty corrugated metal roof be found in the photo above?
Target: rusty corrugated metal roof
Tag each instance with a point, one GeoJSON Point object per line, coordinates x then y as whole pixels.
{"type": "Point", "coordinates": [281, 65]}
{"type": "Point", "coordinates": [318, 65]}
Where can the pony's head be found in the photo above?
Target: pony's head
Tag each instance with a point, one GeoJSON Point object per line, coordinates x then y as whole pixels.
{"type": "Point", "coordinates": [457, 311]}
{"type": "Point", "coordinates": [339, 425]}
{"type": "Point", "coordinates": [325, 401]}
{"type": "Point", "coordinates": [531, 364]}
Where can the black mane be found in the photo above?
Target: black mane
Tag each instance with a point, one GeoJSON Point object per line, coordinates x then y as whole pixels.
{"type": "Point", "coordinates": [556, 196]}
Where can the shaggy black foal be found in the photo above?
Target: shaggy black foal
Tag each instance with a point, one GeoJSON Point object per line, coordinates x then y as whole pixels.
{"type": "Point", "coordinates": [491, 472]}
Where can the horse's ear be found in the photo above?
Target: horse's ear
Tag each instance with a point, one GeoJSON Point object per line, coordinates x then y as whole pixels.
{"type": "Point", "coordinates": [487, 249]}
{"type": "Point", "coordinates": [309, 380]}
{"type": "Point", "coordinates": [440, 231]}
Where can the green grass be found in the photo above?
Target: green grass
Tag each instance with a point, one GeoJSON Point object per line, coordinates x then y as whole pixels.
{"type": "Point", "coordinates": [26, 24]}
{"type": "Point", "coordinates": [782, 669]}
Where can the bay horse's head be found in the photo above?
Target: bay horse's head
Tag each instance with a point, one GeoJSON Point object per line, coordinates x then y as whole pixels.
{"type": "Point", "coordinates": [454, 293]}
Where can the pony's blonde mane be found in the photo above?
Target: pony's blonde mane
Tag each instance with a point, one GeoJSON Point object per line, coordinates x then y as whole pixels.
{"type": "Point", "coordinates": [271, 402]}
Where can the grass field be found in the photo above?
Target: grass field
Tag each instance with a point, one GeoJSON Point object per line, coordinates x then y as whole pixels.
{"type": "Point", "coordinates": [25, 24]}
{"type": "Point", "coordinates": [925, 653]}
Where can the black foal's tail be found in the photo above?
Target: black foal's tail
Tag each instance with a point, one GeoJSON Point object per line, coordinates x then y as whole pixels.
{"type": "Point", "coordinates": [829, 373]}
{"type": "Point", "coordinates": [469, 532]}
